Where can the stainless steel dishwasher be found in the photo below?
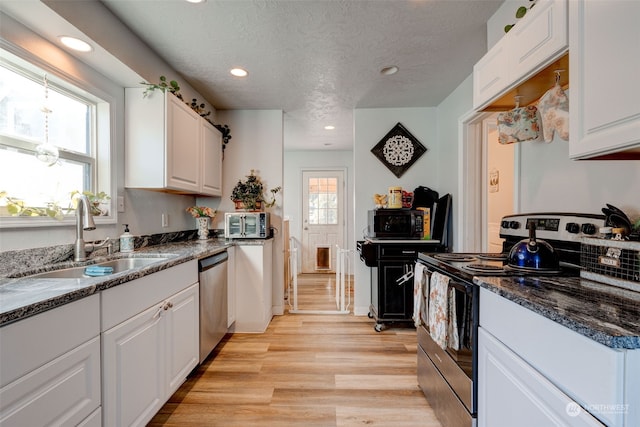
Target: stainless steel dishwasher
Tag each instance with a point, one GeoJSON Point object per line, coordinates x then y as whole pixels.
{"type": "Point", "coordinates": [213, 301]}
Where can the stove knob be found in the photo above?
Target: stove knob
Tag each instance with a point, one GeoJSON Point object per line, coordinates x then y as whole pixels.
{"type": "Point", "coordinates": [514, 225]}
{"type": "Point", "coordinates": [573, 227]}
{"type": "Point", "coordinates": [588, 228]}
{"type": "Point", "coordinates": [504, 224]}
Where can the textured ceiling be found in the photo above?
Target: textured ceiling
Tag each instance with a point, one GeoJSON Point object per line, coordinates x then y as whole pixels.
{"type": "Point", "coordinates": [318, 59]}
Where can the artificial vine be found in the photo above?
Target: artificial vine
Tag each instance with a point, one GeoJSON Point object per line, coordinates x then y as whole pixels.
{"type": "Point", "coordinates": [173, 87]}
{"type": "Point", "coordinates": [520, 12]}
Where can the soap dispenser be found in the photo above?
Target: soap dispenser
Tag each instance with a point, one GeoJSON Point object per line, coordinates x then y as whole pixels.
{"type": "Point", "coordinates": [126, 240]}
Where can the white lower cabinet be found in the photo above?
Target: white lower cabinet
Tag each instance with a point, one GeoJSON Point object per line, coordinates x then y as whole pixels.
{"type": "Point", "coordinates": [50, 369]}
{"type": "Point", "coordinates": [512, 393]}
{"type": "Point", "coordinates": [533, 371]}
{"type": "Point", "coordinates": [253, 266]}
{"type": "Point", "coordinates": [148, 355]}
{"type": "Point", "coordinates": [133, 369]}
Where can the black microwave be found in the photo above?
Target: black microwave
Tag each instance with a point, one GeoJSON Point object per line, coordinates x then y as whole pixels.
{"type": "Point", "coordinates": [396, 224]}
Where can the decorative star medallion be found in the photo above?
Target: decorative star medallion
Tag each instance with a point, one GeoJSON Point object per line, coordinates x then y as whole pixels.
{"type": "Point", "coordinates": [398, 150]}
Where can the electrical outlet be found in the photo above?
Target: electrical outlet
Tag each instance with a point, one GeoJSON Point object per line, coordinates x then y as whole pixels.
{"type": "Point", "coordinates": [165, 220]}
{"type": "Point", "coordinates": [120, 204]}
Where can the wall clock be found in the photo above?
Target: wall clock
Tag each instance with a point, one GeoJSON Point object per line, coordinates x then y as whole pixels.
{"type": "Point", "coordinates": [398, 150]}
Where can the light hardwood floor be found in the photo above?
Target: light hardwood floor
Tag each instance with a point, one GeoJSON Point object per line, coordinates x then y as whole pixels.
{"type": "Point", "coordinates": [318, 291]}
{"type": "Point", "coordinates": [306, 370]}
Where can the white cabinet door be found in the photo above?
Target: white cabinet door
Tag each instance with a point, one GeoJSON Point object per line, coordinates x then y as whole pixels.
{"type": "Point", "coordinates": [183, 337]}
{"type": "Point", "coordinates": [605, 65]}
{"type": "Point", "coordinates": [535, 42]}
{"type": "Point", "coordinates": [539, 39]}
{"type": "Point", "coordinates": [63, 392]}
{"type": "Point", "coordinates": [211, 160]}
{"type": "Point", "coordinates": [254, 287]}
{"type": "Point", "coordinates": [133, 369]}
{"type": "Point", "coordinates": [512, 393]}
{"type": "Point", "coordinates": [490, 74]}
{"type": "Point", "coordinates": [183, 146]}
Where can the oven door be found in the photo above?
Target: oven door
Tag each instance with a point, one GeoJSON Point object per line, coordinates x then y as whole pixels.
{"type": "Point", "coordinates": [457, 363]}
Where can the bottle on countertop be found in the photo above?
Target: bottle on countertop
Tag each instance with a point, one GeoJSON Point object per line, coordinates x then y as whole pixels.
{"type": "Point", "coordinates": [126, 240]}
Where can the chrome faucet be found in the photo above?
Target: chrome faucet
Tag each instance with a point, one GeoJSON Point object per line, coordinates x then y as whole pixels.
{"type": "Point", "coordinates": [84, 221]}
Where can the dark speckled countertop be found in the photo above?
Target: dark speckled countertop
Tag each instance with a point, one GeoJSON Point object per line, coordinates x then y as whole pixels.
{"type": "Point", "coordinates": [604, 313]}
{"type": "Point", "coordinates": [25, 296]}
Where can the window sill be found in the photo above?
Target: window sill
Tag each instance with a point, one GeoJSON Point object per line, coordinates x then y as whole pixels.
{"type": "Point", "coordinates": [34, 222]}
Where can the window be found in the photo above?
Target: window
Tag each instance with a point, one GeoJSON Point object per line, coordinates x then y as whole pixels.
{"type": "Point", "coordinates": [323, 201]}
{"type": "Point", "coordinates": [41, 186]}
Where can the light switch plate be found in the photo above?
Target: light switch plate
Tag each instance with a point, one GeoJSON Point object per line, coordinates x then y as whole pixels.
{"type": "Point", "coordinates": [120, 204]}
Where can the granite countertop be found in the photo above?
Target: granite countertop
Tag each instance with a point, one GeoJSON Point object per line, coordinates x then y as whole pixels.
{"type": "Point", "coordinates": [604, 313]}
{"type": "Point", "coordinates": [21, 297]}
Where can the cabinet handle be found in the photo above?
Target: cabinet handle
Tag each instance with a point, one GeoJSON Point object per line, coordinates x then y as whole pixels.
{"type": "Point", "coordinates": [159, 311]}
{"type": "Point", "coordinates": [167, 305]}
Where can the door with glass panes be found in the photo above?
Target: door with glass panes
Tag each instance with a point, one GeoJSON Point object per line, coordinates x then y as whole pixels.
{"type": "Point", "coordinates": [323, 219]}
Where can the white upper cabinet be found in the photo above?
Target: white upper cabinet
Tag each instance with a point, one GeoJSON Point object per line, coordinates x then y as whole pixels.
{"type": "Point", "coordinates": [534, 43]}
{"type": "Point", "coordinates": [211, 160]}
{"type": "Point", "coordinates": [605, 66]}
{"type": "Point", "coordinates": [168, 146]}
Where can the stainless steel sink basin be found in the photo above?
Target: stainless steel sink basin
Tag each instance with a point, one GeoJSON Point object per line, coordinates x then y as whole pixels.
{"type": "Point", "coordinates": [119, 265]}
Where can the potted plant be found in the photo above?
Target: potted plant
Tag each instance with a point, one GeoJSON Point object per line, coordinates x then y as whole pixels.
{"type": "Point", "coordinates": [249, 194]}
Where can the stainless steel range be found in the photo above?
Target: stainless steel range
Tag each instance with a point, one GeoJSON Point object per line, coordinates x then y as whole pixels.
{"type": "Point", "coordinates": [447, 367]}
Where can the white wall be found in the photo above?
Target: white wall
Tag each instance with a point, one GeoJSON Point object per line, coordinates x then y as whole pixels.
{"type": "Point", "coordinates": [371, 176]}
{"type": "Point", "coordinates": [294, 163]}
{"type": "Point", "coordinates": [143, 209]}
{"type": "Point", "coordinates": [256, 143]}
{"type": "Point", "coordinates": [551, 181]}
{"type": "Point", "coordinates": [458, 103]}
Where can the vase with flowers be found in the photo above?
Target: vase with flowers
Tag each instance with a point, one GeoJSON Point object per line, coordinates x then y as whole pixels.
{"type": "Point", "coordinates": [249, 195]}
{"type": "Point", "coordinates": [203, 215]}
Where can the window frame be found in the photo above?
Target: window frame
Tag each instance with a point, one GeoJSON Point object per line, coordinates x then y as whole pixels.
{"type": "Point", "coordinates": [102, 146]}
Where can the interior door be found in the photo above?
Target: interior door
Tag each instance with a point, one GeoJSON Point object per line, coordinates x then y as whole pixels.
{"type": "Point", "coordinates": [499, 179]}
{"type": "Point", "coordinates": [323, 219]}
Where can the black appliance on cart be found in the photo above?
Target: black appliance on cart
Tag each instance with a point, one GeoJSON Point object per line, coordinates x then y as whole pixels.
{"type": "Point", "coordinates": [392, 262]}
{"type": "Point", "coordinates": [448, 377]}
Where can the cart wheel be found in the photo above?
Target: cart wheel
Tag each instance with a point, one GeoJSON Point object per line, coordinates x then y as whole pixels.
{"type": "Point", "coordinates": [370, 315]}
{"type": "Point", "coordinates": [379, 327]}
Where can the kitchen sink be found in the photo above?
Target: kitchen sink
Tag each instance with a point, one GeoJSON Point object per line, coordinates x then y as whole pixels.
{"type": "Point", "coordinates": [118, 265]}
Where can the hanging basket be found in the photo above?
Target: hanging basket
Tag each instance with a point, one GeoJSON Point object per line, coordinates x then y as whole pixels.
{"type": "Point", "coordinates": [239, 205]}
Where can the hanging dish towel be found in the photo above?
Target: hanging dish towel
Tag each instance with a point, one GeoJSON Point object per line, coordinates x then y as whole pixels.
{"type": "Point", "coordinates": [518, 125]}
{"type": "Point", "coordinates": [418, 284]}
{"type": "Point", "coordinates": [554, 111]}
{"type": "Point", "coordinates": [454, 338]}
{"type": "Point", "coordinates": [438, 308]}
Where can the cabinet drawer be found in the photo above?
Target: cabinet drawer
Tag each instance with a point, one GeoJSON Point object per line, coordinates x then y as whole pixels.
{"type": "Point", "coordinates": [404, 252]}
{"type": "Point", "coordinates": [30, 343]}
{"type": "Point", "coordinates": [62, 392]}
{"type": "Point", "coordinates": [124, 301]}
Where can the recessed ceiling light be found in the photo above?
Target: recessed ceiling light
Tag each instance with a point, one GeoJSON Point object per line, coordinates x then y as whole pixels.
{"type": "Point", "coordinates": [329, 127]}
{"type": "Point", "coordinates": [387, 71]}
{"type": "Point", "coordinates": [75, 44]}
{"type": "Point", "coordinates": [196, 1]}
{"type": "Point", "coordinates": [238, 72]}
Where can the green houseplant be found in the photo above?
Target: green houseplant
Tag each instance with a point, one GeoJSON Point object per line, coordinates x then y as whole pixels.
{"type": "Point", "coordinates": [249, 195]}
